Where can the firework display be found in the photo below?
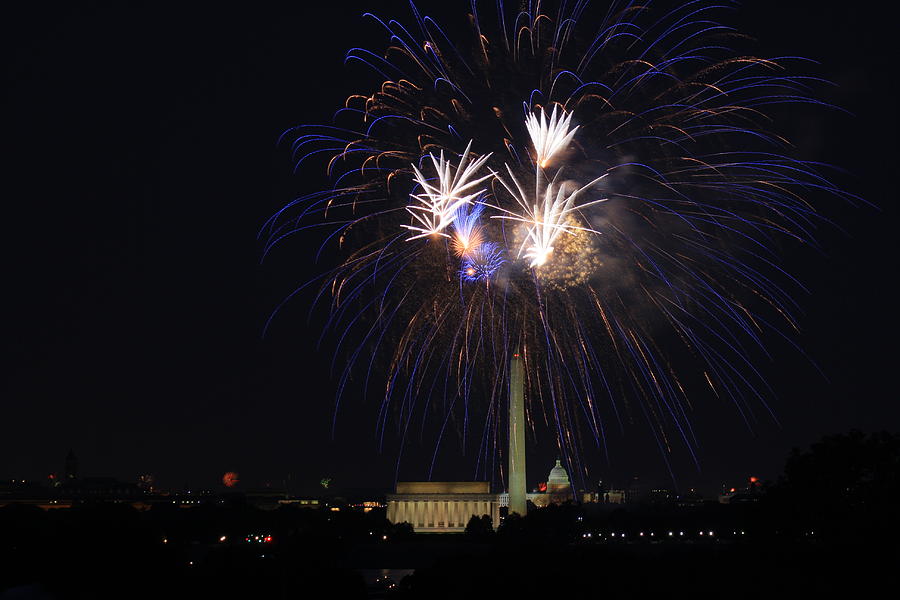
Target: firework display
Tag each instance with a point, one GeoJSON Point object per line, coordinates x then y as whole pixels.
{"type": "Point", "coordinates": [230, 479]}
{"type": "Point", "coordinates": [601, 188]}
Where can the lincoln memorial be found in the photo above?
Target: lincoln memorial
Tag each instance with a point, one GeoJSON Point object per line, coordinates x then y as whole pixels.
{"type": "Point", "coordinates": [442, 506]}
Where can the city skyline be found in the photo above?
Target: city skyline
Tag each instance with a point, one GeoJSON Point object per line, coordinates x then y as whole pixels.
{"type": "Point", "coordinates": [145, 165]}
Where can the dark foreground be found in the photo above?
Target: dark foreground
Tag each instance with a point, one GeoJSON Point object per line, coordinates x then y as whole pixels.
{"type": "Point", "coordinates": [216, 551]}
{"type": "Point", "coordinates": [830, 527]}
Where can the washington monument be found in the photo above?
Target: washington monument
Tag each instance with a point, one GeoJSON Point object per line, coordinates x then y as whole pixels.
{"type": "Point", "coordinates": [517, 435]}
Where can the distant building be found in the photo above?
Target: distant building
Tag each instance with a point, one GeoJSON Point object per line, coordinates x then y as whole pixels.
{"type": "Point", "coordinates": [741, 495]}
{"type": "Point", "coordinates": [559, 488]}
{"type": "Point", "coordinates": [637, 491]}
{"type": "Point", "coordinates": [661, 497]}
{"type": "Point", "coordinates": [691, 499]}
{"type": "Point", "coordinates": [442, 506]}
{"type": "Point", "coordinates": [71, 466]}
{"type": "Point", "coordinates": [301, 502]}
{"type": "Point", "coordinates": [145, 482]}
{"type": "Point", "coordinates": [367, 505]}
{"type": "Point", "coordinates": [536, 498]}
{"type": "Point", "coordinates": [100, 488]}
{"type": "Point", "coordinates": [20, 491]}
{"type": "Point", "coordinates": [614, 497]}
{"type": "Point", "coordinates": [739, 498]}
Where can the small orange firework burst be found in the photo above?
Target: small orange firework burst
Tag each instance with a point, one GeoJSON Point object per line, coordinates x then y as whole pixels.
{"type": "Point", "coordinates": [463, 244]}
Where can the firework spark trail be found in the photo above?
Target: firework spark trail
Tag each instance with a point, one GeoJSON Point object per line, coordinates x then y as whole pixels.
{"type": "Point", "coordinates": [649, 206]}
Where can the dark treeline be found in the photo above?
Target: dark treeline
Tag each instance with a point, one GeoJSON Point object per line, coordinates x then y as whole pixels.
{"type": "Point", "coordinates": [828, 525]}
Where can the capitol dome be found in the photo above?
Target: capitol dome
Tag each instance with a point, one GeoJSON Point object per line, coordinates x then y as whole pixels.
{"type": "Point", "coordinates": [558, 475]}
{"type": "Point", "coordinates": [559, 489]}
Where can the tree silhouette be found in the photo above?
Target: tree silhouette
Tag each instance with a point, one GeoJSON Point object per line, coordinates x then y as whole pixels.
{"type": "Point", "coordinates": [844, 485]}
{"type": "Point", "coordinates": [479, 528]}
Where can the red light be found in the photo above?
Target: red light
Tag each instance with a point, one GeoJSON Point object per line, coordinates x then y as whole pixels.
{"type": "Point", "coordinates": [542, 487]}
{"type": "Point", "coordinates": [753, 480]}
{"type": "Point", "coordinates": [732, 490]}
{"type": "Point", "coordinates": [268, 538]}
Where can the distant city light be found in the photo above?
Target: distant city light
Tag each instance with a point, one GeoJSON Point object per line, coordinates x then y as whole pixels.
{"type": "Point", "coordinates": [259, 539]}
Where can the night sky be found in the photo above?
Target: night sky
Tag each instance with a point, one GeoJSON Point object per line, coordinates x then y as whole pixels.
{"type": "Point", "coordinates": [142, 159]}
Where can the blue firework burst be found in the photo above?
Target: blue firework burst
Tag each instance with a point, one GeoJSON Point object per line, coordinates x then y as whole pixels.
{"type": "Point", "coordinates": [482, 263]}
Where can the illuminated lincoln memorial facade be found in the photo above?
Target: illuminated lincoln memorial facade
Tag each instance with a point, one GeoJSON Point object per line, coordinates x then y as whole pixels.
{"type": "Point", "coordinates": [442, 506]}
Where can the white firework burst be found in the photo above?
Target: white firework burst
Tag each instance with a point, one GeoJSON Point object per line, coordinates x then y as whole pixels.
{"type": "Point", "coordinates": [549, 138]}
{"type": "Point", "coordinates": [437, 205]}
{"type": "Point", "coordinates": [546, 217]}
